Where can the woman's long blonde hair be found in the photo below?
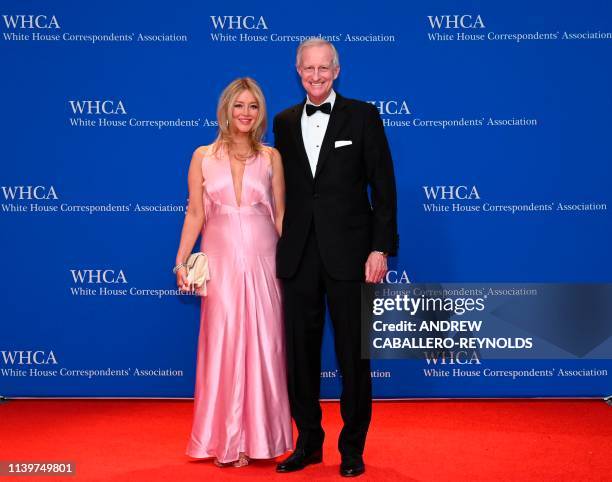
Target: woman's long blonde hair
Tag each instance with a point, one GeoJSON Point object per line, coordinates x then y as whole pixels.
{"type": "Point", "coordinates": [224, 114]}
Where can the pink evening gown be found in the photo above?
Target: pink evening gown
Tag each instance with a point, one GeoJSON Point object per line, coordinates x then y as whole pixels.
{"type": "Point", "coordinates": [241, 402]}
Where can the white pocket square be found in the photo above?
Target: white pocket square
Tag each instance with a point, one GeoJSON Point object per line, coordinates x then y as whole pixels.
{"type": "Point", "coordinates": [342, 144]}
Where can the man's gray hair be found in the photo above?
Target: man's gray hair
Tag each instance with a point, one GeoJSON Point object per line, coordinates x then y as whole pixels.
{"type": "Point", "coordinates": [315, 42]}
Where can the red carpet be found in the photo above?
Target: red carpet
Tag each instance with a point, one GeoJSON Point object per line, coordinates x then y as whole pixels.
{"type": "Point", "coordinates": [127, 440]}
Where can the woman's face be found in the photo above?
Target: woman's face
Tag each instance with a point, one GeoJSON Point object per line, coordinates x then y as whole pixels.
{"type": "Point", "coordinates": [244, 112]}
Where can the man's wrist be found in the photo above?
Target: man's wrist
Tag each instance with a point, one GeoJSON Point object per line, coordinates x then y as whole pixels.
{"type": "Point", "coordinates": [381, 252]}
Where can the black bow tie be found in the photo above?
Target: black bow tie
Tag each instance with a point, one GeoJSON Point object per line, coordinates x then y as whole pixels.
{"type": "Point", "coordinates": [325, 108]}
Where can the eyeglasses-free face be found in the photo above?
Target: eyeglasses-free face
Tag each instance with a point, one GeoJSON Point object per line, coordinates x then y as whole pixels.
{"type": "Point", "coordinates": [317, 72]}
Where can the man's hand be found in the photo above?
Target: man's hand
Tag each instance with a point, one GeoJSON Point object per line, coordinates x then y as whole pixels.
{"type": "Point", "coordinates": [375, 267]}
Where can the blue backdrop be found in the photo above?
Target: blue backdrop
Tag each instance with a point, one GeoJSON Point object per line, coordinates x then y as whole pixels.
{"type": "Point", "coordinates": [497, 114]}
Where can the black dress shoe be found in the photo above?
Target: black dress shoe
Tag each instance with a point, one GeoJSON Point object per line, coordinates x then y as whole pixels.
{"type": "Point", "coordinates": [299, 459]}
{"type": "Point", "coordinates": [352, 466]}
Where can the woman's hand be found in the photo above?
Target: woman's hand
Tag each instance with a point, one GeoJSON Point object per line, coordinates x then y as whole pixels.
{"type": "Point", "coordinates": [181, 280]}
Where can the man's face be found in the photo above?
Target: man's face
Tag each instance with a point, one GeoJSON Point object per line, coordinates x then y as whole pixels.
{"type": "Point", "coordinates": [317, 72]}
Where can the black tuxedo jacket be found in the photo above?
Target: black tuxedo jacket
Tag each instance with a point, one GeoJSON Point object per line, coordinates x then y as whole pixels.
{"type": "Point", "coordinates": [348, 223]}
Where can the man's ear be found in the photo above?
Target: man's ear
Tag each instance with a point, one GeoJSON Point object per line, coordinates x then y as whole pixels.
{"type": "Point", "coordinates": [336, 73]}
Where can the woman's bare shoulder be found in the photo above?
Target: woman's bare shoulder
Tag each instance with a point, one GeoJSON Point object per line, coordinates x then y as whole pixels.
{"type": "Point", "coordinates": [272, 153]}
{"type": "Point", "coordinates": [203, 150]}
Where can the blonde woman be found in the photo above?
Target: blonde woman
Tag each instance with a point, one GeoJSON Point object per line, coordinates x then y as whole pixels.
{"type": "Point", "coordinates": [236, 200]}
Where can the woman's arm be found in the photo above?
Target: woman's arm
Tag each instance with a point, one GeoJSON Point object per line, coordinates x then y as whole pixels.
{"type": "Point", "coordinates": [278, 189]}
{"type": "Point", "coordinates": [194, 218]}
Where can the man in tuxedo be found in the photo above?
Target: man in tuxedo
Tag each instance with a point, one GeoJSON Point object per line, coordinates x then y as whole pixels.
{"type": "Point", "coordinates": [335, 236]}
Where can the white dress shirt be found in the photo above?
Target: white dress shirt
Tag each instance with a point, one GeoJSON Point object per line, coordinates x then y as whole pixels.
{"type": "Point", "coordinates": [313, 130]}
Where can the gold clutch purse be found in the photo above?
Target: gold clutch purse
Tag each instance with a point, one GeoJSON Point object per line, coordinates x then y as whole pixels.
{"type": "Point", "coordinates": [197, 272]}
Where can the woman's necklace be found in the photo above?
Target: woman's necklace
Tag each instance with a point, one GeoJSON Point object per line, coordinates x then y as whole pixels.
{"type": "Point", "coordinates": [240, 156]}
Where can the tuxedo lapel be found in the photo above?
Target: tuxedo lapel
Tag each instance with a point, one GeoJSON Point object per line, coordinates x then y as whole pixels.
{"type": "Point", "coordinates": [337, 119]}
{"type": "Point", "coordinates": [296, 128]}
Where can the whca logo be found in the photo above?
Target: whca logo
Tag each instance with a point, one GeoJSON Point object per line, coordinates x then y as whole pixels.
{"type": "Point", "coordinates": [28, 357]}
{"type": "Point", "coordinates": [21, 193]}
{"type": "Point", "coordinates": [97, 107]}
{"type": "Point", "coordinates": [456, 21]}
{"type": "Point", "coordinates": [31, 22]}
{"type": "Point", "coordinates": [391, 107]}
{"type": "Point", "coordinates": [98, 276]}
{"type": "Point", "coordinates": [238, 22]}
{"type": "Point", "coordinates": [451, 192]}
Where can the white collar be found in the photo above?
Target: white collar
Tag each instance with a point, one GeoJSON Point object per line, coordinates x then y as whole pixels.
{"type": "Point", "coordinates": [331, 98]}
